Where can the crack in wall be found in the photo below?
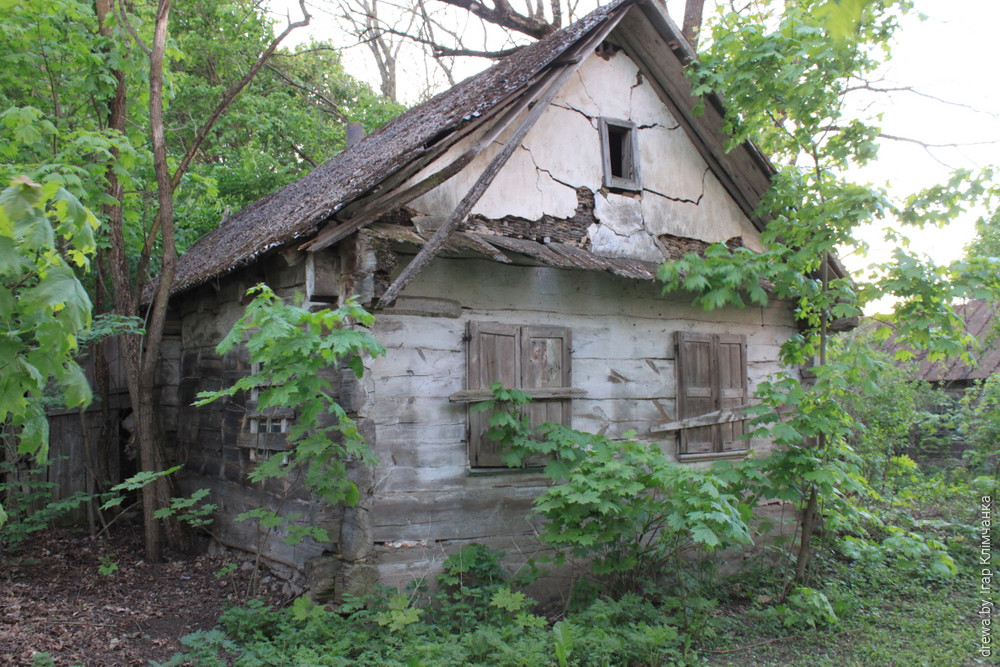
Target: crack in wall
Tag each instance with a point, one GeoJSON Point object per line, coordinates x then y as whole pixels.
{"type": "Point", "coordinates": [652, 125]}
{"type": "Point", "coordinates": [631, 92]}
{"type": "Point", "coordinates": [684, 200]}
{"type": "Point", "coordinates": [545, 171]}
{"type": "Point", "coordinates": [583, 84]}
{"type": "Point", "coordinates": [575, 110]}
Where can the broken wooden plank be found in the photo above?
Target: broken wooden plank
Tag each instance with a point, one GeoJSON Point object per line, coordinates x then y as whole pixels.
{"type": "Point", "coordinates": [539, 393]}
{"type": "Point", "coordinates": [708, 419]}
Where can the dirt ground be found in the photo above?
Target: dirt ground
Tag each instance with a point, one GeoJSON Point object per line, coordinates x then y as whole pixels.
{"type": "Point", "coordinates": [54, 600]}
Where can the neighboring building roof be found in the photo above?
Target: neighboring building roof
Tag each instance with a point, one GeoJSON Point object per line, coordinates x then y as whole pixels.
{"type": "Point", "coordinates": [298, 210]}
{"type": "Point", "coordinates": [980, 317]}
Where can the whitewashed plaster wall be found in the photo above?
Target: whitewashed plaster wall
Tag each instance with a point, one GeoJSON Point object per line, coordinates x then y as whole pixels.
{"type": "Point", "coordinates": [680, 195]}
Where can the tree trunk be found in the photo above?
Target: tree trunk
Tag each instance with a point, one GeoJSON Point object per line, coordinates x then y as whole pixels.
{"type": "Point", "coordinates": [693, 11]}
{"type": "Point", "coordinates": [142, 355]}
{"type": "Point", "coordinates": [810, 515]}
{"type": "Point", "coordinates": [150, 456]}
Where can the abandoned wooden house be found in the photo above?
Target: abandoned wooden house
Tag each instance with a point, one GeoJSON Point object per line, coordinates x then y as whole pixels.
{"type": "Point", "coordinates": [508, 229]}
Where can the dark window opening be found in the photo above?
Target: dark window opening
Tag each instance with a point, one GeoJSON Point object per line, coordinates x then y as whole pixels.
{"type": "Point", "coordinates": [618, 147]}
{"type": "Point", "coordinates": [620, 152]}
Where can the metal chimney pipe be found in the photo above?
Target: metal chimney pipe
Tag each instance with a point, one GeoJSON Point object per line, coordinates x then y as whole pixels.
{"type": "Point", "coordinates": [355, 133]}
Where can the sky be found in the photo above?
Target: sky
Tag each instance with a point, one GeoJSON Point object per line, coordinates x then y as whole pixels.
{"type": "Point", "coordinates": [949, 59]}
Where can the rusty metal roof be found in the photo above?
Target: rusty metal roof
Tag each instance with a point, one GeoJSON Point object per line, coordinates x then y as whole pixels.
{"type": "Point", "coordinates": [980, 317]}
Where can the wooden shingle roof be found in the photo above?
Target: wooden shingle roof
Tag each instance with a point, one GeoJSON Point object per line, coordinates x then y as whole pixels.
{"type": "Point", "coordinates": [297, 210]}
{"type": "Point", "coordinates": [333, 191]}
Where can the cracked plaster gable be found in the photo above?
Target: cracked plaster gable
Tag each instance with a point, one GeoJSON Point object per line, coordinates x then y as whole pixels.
{"type": "Point", "coordinates": [601, 88]}
{"type": "Point", "coordinates": [715, 217]}
{"type": "Point", "coordinates": [670, 164]}
{"type": "Point", "coordinates": [525, 187]}
{"type": "Point", "coordinates": [562, 152]}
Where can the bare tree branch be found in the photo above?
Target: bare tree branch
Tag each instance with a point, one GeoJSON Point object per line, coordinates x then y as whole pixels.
{"type": "Point", "coordinates": [503, 15]}
{"type": "Point", "coordinates": [333, 109]}
{"type": "Point", "coordinates": [227, 99]}
{"type": "Point", "coordinates": [439, 51]}
{"type": "Point", "coordinates": [925, 144]}
{"type": "Point", "coordinates": [122, 19]}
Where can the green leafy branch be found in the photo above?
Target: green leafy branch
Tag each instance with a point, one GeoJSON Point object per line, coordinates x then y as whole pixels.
{"type": "Point", "coordinates": [44, 233]}
{"type": "Point", "coordinates": [294, 350]}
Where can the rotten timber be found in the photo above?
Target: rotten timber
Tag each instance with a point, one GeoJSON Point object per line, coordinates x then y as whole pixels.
{"type": "Point", "coordinates": [708, 419]}
{"type": "Point", "coordinates": [562, 70]}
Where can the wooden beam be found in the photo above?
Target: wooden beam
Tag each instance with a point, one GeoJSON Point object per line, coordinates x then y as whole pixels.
{"type": "Point", "coordinates": [480, 395]}
{"type": "Point", "coordinates": [708, 419]}
{"type": "Point", "coordinates": [379, 206]}
{"type": "Point", "coordinates": [562, 72]}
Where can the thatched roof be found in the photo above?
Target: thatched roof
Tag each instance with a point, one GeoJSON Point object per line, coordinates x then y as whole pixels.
{"type": "Point", "coordinates": [297, 210]}
{"type": "Point", "coordinates": [980, 318]}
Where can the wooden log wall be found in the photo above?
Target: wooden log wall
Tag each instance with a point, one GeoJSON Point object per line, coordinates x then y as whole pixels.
{"type": "Point", "coordinates": [428, 502]}
{"type": "Point", "coordinates": [84, 453]}
{"type": "Point", "coordinates": [214, 441]}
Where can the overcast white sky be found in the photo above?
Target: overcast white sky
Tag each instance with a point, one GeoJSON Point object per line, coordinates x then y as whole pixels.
{"type": "Point", "coordinates": [951, 59]}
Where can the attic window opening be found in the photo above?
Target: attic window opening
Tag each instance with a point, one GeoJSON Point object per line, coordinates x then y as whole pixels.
{"type": "Point", "coordinates": [620, 151]}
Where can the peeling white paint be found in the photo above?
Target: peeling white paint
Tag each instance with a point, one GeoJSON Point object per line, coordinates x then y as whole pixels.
{"type": "Point", "coordinates": [621, 232]}
{"type": "Point", "coordinates": [669, 163]}
{"type": "Point", "coordinates": [620, 213]}
{"type": "Point", "coordinates": [606, 243]}
{"type": "Point", "coordinates": [562, 152]}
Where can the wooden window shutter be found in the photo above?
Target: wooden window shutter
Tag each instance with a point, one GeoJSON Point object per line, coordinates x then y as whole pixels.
{"type": "Point", "coordinates": [732, 364]}
{"type": "Point", "coordinates": [696, 391]}
{"type": "Point", "coordinates": [711, 376]}
{"type": "Point", "coordinates": [519, 357]}
{"type": "Point", "coordinates": [545, 363]}
{"type": "Point", "coordinates": [493, 357]}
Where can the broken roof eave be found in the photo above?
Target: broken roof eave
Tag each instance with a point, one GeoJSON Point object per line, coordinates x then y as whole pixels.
{"type": "Point", "coordinates": [377, 165]}
{"type": "Point", "coordinates": [529, 253]}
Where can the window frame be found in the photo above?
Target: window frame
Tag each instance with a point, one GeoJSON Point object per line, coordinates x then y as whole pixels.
{"type": "Point", "coordinates": [552, 396]}
{"type": "Point", "coordinates": [260, 442]}
{"type": "Point", "coordinates": [630, 179]}
{"type": "Point", "coordinates": [695, 398]}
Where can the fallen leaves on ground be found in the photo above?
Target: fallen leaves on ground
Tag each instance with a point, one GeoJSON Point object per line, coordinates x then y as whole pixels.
{"type": "Point", "coordinates": [54, 600]}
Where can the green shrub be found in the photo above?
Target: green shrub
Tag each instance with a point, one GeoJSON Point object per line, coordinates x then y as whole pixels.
{"type": "Point", "coordinates": [623, 505]}
{"type": "Point", "coordinates": [27, 499]}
